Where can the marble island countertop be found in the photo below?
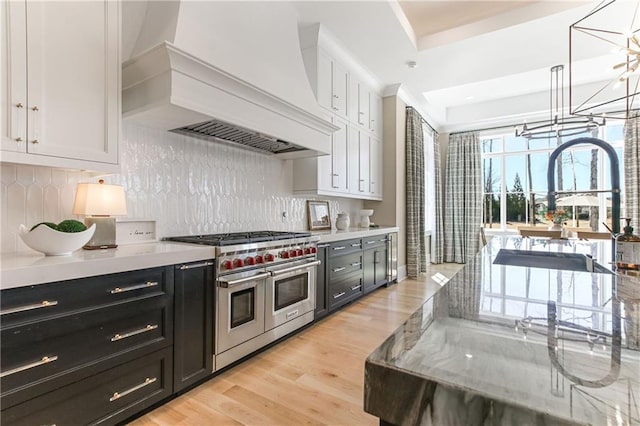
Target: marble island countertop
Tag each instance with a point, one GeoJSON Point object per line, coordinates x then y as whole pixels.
{"type": "Point", "coordinates": [509, 345]}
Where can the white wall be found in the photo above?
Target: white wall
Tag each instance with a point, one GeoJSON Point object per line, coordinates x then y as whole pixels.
{"type": "Point", "coordinates": [188, 185]}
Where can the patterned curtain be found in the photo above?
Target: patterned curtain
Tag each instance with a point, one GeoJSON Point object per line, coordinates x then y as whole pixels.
{"type": "Point", "coordinates": [437, 240]}
{"type": "Point", "coordinates": [632, 170]}
{"type": "Point", "coordinates": [416, 247]}
{"type": "Point", "coordinates": [463, 200]}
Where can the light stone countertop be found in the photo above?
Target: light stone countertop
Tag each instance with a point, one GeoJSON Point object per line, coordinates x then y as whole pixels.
{"type": "Point", "coordinates": [332, 235]}
{"type": "Point", "coordinates": [23, 269]}
{"type": "Point", "coordinates": [460, 359]}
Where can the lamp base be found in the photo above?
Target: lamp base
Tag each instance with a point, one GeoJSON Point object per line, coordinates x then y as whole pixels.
{"type": "Point", "coordinates": [105, 235]}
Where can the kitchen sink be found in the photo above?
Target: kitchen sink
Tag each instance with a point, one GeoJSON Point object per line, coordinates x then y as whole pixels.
{"type": "Point", "coordinates": [549, 260]}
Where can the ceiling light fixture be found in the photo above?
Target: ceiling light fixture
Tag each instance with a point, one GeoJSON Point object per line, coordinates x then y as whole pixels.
{"type": "Point", "coordinates": [612, 26]}
{"type": "Point", "coordinates": [559, 126]}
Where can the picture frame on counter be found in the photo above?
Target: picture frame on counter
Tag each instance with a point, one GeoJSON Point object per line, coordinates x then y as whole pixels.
{"type": "Point", "coordinates": [132, 231]}
{"type": "Point", "coordinates": [318, 215]}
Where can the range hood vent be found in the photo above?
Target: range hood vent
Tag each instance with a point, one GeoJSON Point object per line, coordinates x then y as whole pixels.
{"type": "Point", "coordinates": [225, 132]}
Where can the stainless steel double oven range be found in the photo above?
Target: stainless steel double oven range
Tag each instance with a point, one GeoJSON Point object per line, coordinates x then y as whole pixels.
{"type": "Point", "coordinates": [265, 288]}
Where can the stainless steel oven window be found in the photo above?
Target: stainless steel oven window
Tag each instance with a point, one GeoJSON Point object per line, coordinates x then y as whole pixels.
{"type": "Point", "coordinates": [242, 307]}
{"type": "Point", "coordinates": [289, 291]}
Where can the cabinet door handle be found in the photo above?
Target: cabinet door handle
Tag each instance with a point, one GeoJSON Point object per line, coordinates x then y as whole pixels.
{"type": "Point", "coordinates": [338, 295]}
{"type": "Point", "coordinates": [342, 268]}
{"type": "Point", "coordinates": [18, 139]}
{"type": "Point", "coordinates": [19, 105]}
{"type": "Point", "coordinates": [323, 245]}
{"type": "Point", "coordinates": [194, 265]}
{"type": "Point", "coordinates": [336, 96]}
{"type": "Point", "coordinates": [372, 242]}
{"type": "Point", "coordinates": [339, 248]}
{"type": "Point", "coordinates": [118, 395]}
{"type": "Point", "coordinates": [35, 109]}
{"type": "Point", "coordinates": [134, 287]}
{"type": "Point", "coordinates": [356, 287]}
{"type": "Point", "coordinates": [356, 245]}
{"type": "Point", "coordinates": [43, 304]}
{"type": "Point", "coordinates": [35, 141]}
{"type": "Point", "coordinates": [336, 109]}
{"type": "Point", "coordinates": [118, 336]}
{"type": "Point", "coordinates": [356, 264]}
{"type": "Point", "coordinates": [42, 361]}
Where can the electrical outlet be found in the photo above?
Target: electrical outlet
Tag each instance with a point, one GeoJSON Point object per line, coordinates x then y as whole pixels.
{"type": "Point", "coordinates": [284, 216]}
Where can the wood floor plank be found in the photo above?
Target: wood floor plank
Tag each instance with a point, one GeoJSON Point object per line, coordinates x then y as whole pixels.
{"type": "Point", "coordinates": [315, 377]}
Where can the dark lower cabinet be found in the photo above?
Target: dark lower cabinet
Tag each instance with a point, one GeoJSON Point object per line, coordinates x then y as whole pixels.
{"type": "Point", "coordinates": [193, 325]}
{"type": "Point", "coordinates": [322, 300]}
{"type": "Point", "coordinates": [375, 263]}
{"type": "Point", "coordinates": [106, 398]}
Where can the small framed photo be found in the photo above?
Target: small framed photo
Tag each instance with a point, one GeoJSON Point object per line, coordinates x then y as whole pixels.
{"type": "Point", "coordinates": [318, 215]}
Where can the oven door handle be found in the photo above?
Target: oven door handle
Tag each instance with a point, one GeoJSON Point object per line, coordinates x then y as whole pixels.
{"type": "Point", "coordinates": [233, 283]}
{"type": "Point", "coordinates": [296, 268]}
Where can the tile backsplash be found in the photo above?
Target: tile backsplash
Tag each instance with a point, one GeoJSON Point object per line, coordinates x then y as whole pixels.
{"type": "Point", "coordinates": [189, 186]}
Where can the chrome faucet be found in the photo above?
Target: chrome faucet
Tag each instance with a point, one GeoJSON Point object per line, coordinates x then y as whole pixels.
{"type": "Point", "coordinates": [615, 177]}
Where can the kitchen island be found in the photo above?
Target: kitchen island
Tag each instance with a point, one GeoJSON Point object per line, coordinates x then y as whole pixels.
{"type": "Point", "coordinates": [507, 345]}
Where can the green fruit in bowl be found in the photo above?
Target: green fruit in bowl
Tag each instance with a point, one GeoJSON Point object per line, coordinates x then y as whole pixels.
{"type": "Point", "coordinates": [49, 224]}
{"type": "Point", "coordinates": [71, 225]}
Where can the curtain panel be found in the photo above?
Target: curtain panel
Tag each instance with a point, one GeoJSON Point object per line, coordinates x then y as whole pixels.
{"type": "Point", "coordinates": [437, 238]}
{"type": "Point", "coordinates": [415, 185]}
{"type": "Point", "coordinates": [463, 200]}
{"type": "Point", "coordinates": [632, 170]}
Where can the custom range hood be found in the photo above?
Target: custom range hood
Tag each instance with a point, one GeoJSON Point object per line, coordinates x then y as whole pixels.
{"type": "Point", "coordinates": [227, 72]}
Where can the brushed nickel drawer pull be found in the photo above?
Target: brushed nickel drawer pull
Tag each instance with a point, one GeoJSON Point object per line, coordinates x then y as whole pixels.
{"type": "Point", "coordinates": [339, 248]}
{"type": "Point", "coordinates": [356, 264]}
{"type": "Point", "coordinates": [118, 395]}
{"type": "Point", "coordinates": [195, 265]}
{"type": "Point", "coordinates": [134, 287]}
{"type": "Point", "coordinates": [342, 268]}
{"type": "Point", "coordinates": [43, 304]}
{"type": "Point", "coordinates": [357, 287]}
{"type": "Point", "coordinates": [337, 295]}
{"type": "Point", "coordinates": [118, 336]}
{"type": "Point", "coordinates": [372, 242]}
{"type": "Point", "coordinates": [356, 245]}
{"type": "Point", "coordinates": [42, 361]}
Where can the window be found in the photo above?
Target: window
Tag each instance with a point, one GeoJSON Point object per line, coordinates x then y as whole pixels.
{"type": "Point", "coordinates": [515, 181]}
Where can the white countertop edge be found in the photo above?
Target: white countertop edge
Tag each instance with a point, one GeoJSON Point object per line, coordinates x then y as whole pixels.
{"type": "Point", "coordinates": [332, 235]}
{"type": "Point", "coordinates": [25, 269]}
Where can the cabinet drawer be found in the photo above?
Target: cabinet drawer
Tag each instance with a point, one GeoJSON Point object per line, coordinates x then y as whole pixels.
{"type": "Point", "coordinates": [343, 265]}
{"type": "Point", "coordinates": [38, 354]}
{"type": "Point", "coordinates": [374, 241]}
{"type": "Point", "coordinates": [45, 300]}
{"type": "Point", "coordinates": [345, 247]}
{"type": "Point", "coordinates": [345, 290]}
{"type": "Point", "coordinates": [108, 397]}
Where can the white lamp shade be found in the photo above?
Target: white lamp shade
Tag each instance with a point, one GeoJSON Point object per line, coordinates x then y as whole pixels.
{"type": "Point", "coordinates": [99, 199]}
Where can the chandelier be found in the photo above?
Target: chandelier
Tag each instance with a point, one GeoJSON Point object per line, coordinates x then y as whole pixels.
{"type": "Point", "coordinates": [611, 30]}
{"type": "Point", "coordinates": [558, 126]}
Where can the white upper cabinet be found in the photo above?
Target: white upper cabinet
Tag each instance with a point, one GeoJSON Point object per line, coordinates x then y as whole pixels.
{"type": "Point", "coordinates": [375, 114]}
{"type": "Point", "coordinates": [333, 83]}
{"type": "Point", "coordinates": [61, 83]}
{"type": "Point", "coordinates": [375, 168]}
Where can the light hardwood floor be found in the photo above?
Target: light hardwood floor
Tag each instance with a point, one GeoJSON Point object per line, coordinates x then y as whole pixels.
{"type": "Point", "coordinates": [315, 377]}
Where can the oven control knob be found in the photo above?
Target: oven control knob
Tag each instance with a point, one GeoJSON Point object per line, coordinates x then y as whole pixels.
{"type": "Point", "coordinates": [227, 265]}
{"type": "Point", "coordinates": [259, 258]}
{"type": "Point", "coordinates": [293, 253]}
{"type": "Point", "coordinates": [270, 257]}
{"type": "Point", "coordinates": [314, 250]}
{"type": "Point", "coordinates": [307, 250]}
{"type": "Point", "coordinates": [238, 263]}
{"type": "Point", "coordinates": [284, 255]}
{"type": "Point", "coordinates": [299, 252]}
{"type": "Point", "coordinates": [250, 260]}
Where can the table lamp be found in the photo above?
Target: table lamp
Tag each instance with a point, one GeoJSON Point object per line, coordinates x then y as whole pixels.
{"type": "Point", "coordinates": [98, 202]}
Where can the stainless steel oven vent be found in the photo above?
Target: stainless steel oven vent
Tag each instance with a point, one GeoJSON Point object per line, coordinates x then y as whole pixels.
{"type": "Point", "coordinates": [216, 130]}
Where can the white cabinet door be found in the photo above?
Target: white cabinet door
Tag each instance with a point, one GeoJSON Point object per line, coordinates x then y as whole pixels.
{"type": "Point", "coordinates": [325, 77]}
{"type": "Point", "coordinates": [363, 163]}
{"type": "Point", "coordinates": [339, 155]}
{"type": "Point", "coordinates": [375, 114]}
{"type": "Point", "coordinates": [333, 79]}
{"type": "Point", "coordinates": [13, 86]}
{"type": "Point", "coordinates": [375, 171]}
{"type": "Point", "coordinates": [363, 105]}
{"type": "Point", "coordinates": [340, 89]}
{"type": "Point", "coordinates": [73, 84]}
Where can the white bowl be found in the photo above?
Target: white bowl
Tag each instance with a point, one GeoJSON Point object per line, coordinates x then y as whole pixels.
{"type": "Point", "coordinates": [366, 212]}
{"type": "Point", "coordinates": [55, 243]}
